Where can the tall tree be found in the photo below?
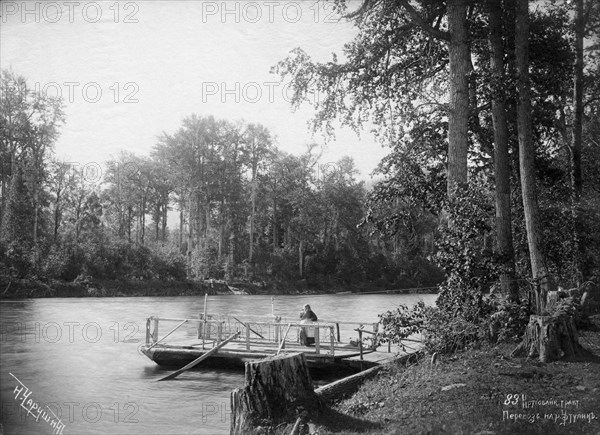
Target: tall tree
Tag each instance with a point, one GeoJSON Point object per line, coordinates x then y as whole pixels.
{"type": "Point", "coordinates": [501, 156]}
{"type": "Point", "coordinates": [29, 123]}
{"type": "Point", "coordinates": [396, 52]}
{"type": "Point", "coordinates": [577, 137]}
{"type": "Point", "coordinates": [527, 154]}
{"type": "Point", "coordinates": [257, 149]}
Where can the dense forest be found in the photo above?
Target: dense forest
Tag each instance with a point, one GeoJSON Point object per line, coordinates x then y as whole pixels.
{"type": "Point", "coordinates": [491, 114]}
{"type": "Point", "coordinates": [245, 209]}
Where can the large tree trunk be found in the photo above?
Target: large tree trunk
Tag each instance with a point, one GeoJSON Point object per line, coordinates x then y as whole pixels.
{"type": "Point", "coordinates": [158, 214]}
{"type": "Point", "coordinates": [35, 215]}
{"type": "Point", "coordinates": [190, 235]}
{"type": "Point", "coordinates": [165, 215]}
{"type": "Point", "coordinates": [458, 116]}
{"type": "Point", "coordinates": [231, 253]}
{"type": "Point", "coordinates": [181, 223]}
{"type": "Point", "coordinates": [252, 214]}
{"type": "Point", "coordinates": [143, 219]}
{"type": "Point", "coordinates": [301, 259]}
{"type": "Point", "coordinates": [275, 228]}
{"type": "Point", "coordinates": [504, 243]}
{"type": "Point", "coordinates": [527, 154]}
{"type": "Point", "coordinates": [3, 189]}
{"type": "Point", "coordinates": [277, 390]}
{"type": "Point", "coordinates": [576, 145]}
{"type": "Point", "coordinates": [57, 212]}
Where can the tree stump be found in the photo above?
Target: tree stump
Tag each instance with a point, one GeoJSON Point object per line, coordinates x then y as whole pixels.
{"type": "Point", "coordinates": [550, 337]}
{"type": "Point", "coordinates": [277, 390]}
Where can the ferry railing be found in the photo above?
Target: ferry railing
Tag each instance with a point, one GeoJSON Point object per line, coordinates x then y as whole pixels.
{"type": "Point", "coordinates": [219, 327]}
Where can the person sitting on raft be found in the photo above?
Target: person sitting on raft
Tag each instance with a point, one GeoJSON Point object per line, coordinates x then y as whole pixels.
{"type": "Point", "coordinates": [307, 335]}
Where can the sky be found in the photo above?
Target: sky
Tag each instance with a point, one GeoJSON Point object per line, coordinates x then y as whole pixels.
{"type": "Point", "coordinates": [130, 70]}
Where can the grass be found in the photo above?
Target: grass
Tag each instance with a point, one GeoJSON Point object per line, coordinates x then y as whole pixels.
{"type": "Point", "coordinates": [494, 394]}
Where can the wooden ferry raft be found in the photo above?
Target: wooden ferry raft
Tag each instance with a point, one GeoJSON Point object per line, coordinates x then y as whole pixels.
{"type": "Point", "coordinates": [259, 338]}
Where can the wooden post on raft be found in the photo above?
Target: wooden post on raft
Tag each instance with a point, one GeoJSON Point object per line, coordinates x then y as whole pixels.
{"type": "Point", "coordinates": [204, 318]}
{"type": "Point", "coordinates": [332, 340]}
{"type": "Point", "coordinates": [147, 331]}
{"type": "Point", "coordinates": [169, 333]}
{"type": "Point", "coordinates": [277, 330]}
{"type": "Point", "coordinates": [277, 390]}
{"type": "Point", "coordinates": [360, 346]}
{"type": "Point", "coordinates": [155, 331]}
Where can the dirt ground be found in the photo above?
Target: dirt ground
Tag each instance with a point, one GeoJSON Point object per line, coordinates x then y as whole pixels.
{"type": "Point", "coordinates": [482, 391]}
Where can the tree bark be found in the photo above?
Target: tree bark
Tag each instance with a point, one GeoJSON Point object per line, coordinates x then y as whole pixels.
{"type": "Point", "coordinates": [158, 214]}
{"type": "Point", "coordinates": [576, 144]}
{"type": "Point", "coordinates": [165, 215]}
{"type": "Point", "coordinates": [252, 214]}
{"type": "Point", "coordinates": [57, 204]}
{"type": "Point", "coordinates": [527, 154]}
{"type": "Point", "coordinates": [190, 235]}
{"type": "Point", "coordinates": [301, 259]}
{"type": "Point", "coordinates": [275, 228]}
{"type": "Point", "coordinates": [458, 115]}
{"type": "Point", "coordinates": [504, 242]}
{"type": "Point", "coordinates": [276, 391]}
{"type": "Point", "coordinates": [231, 254]}
{"type": "Point", "coordinates": [181, 223]}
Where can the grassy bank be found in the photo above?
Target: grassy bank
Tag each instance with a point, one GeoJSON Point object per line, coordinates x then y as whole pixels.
{"type": "Point", "coordinates": [482, 391]}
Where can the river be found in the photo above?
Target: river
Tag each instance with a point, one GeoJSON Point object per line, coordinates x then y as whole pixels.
{"type": "Point", "coordinates": [79, 358]}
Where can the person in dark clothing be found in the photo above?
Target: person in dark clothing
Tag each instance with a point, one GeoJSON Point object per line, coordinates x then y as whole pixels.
{"type": "Point", "coordinates": [307, 335]}
{"type": "Point", "coordinates": [308, 314]}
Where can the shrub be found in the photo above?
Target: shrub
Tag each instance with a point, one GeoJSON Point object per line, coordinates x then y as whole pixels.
{"type": "Point", "coordinates": [18, 260]}
{"type": "Point", "coordinates": [509, 321]}
{"type": "Point", "coordinates": [168, 263]}
{"type": "Point", "coordinates": [440, 330]}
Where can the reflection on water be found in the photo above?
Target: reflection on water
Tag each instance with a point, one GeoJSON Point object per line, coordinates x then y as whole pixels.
{"type": "Point", "coordinates": [79, 357]}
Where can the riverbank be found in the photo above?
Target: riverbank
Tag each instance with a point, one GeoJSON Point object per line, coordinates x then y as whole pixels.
{"type": "Point", "coordinates": [482, 391]}
{"type": "Point", "coordinates": [87, 287]}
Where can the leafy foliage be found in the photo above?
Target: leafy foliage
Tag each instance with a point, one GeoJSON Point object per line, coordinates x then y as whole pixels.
{"type": "Point", "coordinates": [466, 255]}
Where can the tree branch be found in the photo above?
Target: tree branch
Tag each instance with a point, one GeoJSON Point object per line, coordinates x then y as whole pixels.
{"type": "Point", "coordinates": [361, 10]}
{"type": "Point", "coordinates": [418, 19]}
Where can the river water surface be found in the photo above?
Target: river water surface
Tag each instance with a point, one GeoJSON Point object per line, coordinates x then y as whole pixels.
{"type": "Point", "coordinates": [79, 356]}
